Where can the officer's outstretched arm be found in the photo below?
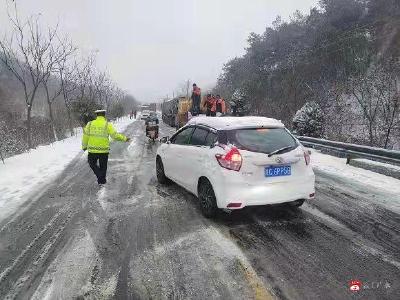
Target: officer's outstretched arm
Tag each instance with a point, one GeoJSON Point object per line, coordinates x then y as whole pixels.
{"type": "Point", "coordinates": [115, 135]}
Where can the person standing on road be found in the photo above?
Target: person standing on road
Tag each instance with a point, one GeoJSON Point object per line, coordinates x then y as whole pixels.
{"type": "Point", "coordinates": [208, 105]}
{"type": "Point", "coordinates": [196, 99]}
{"type": "Point", "coordinates": [95, 139]}
{"type": "Point", "coordinates": [213, 109]}
{"type": "Point", "coordinates": [220, 106]}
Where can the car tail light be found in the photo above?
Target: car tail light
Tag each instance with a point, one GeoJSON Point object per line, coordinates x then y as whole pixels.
{"type": "Point", "coordinates": [307, 157]}
{"type": "Point", "coordinates": [231, 160]}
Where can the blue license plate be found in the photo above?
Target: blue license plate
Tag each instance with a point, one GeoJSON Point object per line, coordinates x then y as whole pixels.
{"type": "Point", "coordinates": [274, 171]}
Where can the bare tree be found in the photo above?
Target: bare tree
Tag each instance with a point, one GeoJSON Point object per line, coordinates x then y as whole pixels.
{"type": "Point", "coordinates": [84, 78]}
{"type": "Point", "coordinates": [361, 88]}
{"type": "Point", "coordinates": [23, 53]}
{"type": "Point", "coordinates": [387, 92]}
{"type": "Point", "coordinates": [104, 88]}
{"type": "Point", "coordinates": [183, 88]}
{"type": "Point", "coordinates": [55, 62]}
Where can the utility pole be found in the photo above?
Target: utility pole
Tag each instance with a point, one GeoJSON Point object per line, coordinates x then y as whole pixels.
{"type": "Point", "coordinates": [1, 155]}
{"type": "Point", "coordinates": [187, 88]}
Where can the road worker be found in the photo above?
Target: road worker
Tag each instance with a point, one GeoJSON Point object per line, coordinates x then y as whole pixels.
{"type": "Point", "coordinates": [210, 105]}
{"type": "Point", "coordinates": [96, 140]}
{"type": "Point", "coordinates": [220, 106]}
{"type": "Point", "coordinates": [196, 99]}
{"type": "Point", "coordinates": [213, 109]}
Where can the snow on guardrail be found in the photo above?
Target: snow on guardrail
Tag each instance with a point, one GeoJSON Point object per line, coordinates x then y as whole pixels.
{"type": "Point", "coordinates": [352, 151]}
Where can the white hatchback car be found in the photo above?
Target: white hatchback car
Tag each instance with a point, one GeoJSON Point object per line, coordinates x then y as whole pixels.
{"type": "Point", "coordinates": [234, 162]}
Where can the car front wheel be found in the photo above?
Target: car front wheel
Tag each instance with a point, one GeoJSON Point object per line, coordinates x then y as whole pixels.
{"type": "Point", "coordinates": [160, 171]}
{"type": "Point", "coordinates": [208, 201]}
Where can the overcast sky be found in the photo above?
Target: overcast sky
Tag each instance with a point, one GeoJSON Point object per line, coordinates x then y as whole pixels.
{"type": "Point", "coordinates": [151, 46]}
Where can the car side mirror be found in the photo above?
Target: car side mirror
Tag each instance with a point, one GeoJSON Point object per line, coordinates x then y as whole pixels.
{"type": "Point", "coordinates": [165, 139]}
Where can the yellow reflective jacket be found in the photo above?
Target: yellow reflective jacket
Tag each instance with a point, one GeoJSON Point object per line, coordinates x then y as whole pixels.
{"type": "Point", "coordinates": [96, 136]}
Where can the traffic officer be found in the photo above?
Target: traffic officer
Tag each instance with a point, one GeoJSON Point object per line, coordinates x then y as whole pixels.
{"type": "Point", "coordinates": [96, 140]}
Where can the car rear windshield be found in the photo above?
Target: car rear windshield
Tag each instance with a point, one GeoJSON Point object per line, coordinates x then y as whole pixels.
{"type": "Point", "coordinates": [265, 140]}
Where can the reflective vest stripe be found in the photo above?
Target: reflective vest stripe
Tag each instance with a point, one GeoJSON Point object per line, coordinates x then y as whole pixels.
{"type": "Point", "coordinates": [98, 135]}
{"type": "Point", "coordinates": [98, 148]}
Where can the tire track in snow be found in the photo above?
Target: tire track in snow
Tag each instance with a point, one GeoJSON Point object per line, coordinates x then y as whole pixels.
{"type": "Point", "coordinates": [37, 245]}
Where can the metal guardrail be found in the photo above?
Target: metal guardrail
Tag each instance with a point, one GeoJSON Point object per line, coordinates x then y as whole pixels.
{"type": "Point", "coordinates": [352, 151]}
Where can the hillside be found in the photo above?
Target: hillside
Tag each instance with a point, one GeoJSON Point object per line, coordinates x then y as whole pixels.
{"type": "Point", "coordinates": [343, 55]}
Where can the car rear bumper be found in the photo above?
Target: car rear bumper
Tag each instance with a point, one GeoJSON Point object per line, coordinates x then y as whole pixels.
{"type": "Point", "coordinates": [272, 193]}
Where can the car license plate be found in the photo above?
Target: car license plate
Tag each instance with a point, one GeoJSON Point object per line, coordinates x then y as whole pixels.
{"type": "Point", "coordinates": [274, 171]}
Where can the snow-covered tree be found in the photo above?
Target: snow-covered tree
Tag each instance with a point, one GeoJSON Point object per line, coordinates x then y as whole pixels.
{"type": "Point", "coordinates": [239, 102]}
{"type": "Point", "coordinates": [309, 120]}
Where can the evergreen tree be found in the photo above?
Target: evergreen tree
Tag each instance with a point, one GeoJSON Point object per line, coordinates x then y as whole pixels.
{"type": "Point", "coordinates": [309, 120]}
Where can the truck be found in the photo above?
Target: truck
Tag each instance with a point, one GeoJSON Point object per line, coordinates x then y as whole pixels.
{"type": "Point", "coordinates": [175, 111]}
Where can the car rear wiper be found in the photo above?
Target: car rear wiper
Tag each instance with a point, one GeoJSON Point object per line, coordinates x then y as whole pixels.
{"type": "Point", "coordinates": [280, 150]}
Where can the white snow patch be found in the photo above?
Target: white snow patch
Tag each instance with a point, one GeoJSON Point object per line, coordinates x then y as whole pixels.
{"type": "Point", "coordinates": [101, 196]}
{"type": "Point", "coordinates": [337, 166]}
{"type": "Point", "coordinates": [25, 173]}
{"type": "Point", "coordinates": [68, 276]}
{"type": "Point", "coordinates": [200, 254]}
{"type": "Point", "coordinates": [380, 183]}
{"type": "Point", "coordinates": [358, 241]}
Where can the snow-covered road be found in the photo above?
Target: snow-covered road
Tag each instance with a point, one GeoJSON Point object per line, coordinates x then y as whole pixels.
{"type": "Point", "coordinates": [136, 239]}
{"type": "Point", "coordinates": [23, 177]}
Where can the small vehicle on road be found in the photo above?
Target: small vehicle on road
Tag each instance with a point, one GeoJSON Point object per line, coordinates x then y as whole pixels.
{"type": "Point", "coordinates": [151, 123]}
{"type": "Point", "coordinates": [234, 162]}
{"type": "Point", "coordinates": [152, 131]}
{"type": "Point", "coordinates": [145, 114]}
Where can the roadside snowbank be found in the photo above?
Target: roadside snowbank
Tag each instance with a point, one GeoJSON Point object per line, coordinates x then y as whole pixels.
{"type": "Point", "coordinates": [338, 167]}
{"type": "Point", "coordinates": [24, 173]}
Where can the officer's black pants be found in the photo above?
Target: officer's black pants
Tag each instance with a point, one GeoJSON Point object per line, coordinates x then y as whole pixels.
{"type": "Point", "coordinates": [100, 169]}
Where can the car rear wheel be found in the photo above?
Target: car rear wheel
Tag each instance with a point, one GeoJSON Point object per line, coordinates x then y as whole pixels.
{"type": "Point", "coordinates": [298, 203]}
{"type": "Point", "coordinates": [208, 201]}
{"type": "Point", "coordinates": [160, 171]}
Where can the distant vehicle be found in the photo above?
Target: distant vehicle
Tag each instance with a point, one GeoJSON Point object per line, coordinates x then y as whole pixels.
{"type": "Point", "coordinates": [234, 162]}
{"type": "Point", "coordinates": [174, 111]}
{"type": "Point", "coordinates": [169, 109]}
{"type": "Point", "coordinates": [149, 106]}
{"type": "Point", "coordinates": [145, 114]}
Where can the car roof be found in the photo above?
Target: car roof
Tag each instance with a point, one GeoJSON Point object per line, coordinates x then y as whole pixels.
{"type": "Point", "coordinates": [226, 123]}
